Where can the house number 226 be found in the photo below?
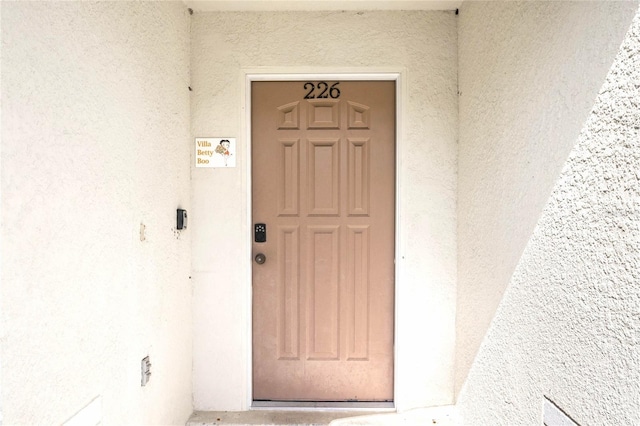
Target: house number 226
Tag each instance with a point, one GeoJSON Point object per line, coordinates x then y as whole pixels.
{"type": "Point", "coordinates": [321, 90]}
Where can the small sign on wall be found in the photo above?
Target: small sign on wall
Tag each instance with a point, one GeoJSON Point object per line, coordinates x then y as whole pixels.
{"type": "Point", "coordinates": [215, 152]}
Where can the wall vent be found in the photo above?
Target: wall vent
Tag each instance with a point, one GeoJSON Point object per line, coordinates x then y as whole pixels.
{"type": "Point", "coordinates": [554, 416]}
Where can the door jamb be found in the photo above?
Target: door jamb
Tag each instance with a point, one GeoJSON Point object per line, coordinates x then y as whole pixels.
{"type": "Point", "coordinates": [250, 75]}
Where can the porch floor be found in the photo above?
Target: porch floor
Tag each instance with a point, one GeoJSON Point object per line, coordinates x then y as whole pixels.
{"type": "Point", "coordinates": [440, 416]}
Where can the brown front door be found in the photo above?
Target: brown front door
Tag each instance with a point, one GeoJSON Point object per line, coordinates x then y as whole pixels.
{"type": "Point", "coordinates": [323, 158]}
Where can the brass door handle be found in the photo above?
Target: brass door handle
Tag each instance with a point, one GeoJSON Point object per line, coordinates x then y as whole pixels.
{"type": "Point", "coordinates": [260, 258]}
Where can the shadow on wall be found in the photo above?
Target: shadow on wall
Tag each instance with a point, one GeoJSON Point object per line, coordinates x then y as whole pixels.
{"type": "Point", "coordinates": [567, 327]}
{"type": "Point", "coordinates": [529, 73]}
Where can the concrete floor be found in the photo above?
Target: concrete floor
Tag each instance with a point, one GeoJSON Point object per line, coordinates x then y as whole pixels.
{"type": "Point", "coordinates": [441, 416]}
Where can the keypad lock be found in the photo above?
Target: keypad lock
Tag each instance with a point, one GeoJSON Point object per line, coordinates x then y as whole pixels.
{"type": "Point", "coordinates": [260, 233]}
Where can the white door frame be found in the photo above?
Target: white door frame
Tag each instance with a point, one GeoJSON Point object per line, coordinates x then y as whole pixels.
{"type": "Point", "coordinates": [250, 75]}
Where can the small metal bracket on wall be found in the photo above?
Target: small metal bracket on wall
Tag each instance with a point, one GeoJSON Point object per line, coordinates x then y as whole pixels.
{"type": "Point", "coordinates": [145, 367]}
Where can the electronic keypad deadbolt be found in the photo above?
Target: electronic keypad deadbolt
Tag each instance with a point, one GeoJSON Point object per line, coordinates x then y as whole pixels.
{"type": "Point", "coordinates": [260, 233]}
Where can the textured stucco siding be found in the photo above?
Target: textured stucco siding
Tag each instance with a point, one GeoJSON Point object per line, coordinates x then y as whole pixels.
{"type": "Point", "coordinates": [568, 326]}
{"type": "Point", "coordinates": [95, 122]}
{"type": "Point", "coordinates": [529, 74]}
{"type": "Point", "coordinates": [422, 45]}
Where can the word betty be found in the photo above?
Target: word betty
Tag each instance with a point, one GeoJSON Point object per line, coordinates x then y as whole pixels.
{"type": "Point", "coordinates": [321, 90]}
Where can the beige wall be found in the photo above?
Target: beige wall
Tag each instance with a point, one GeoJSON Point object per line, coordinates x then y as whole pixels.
{"type": "Point", "coordinates": [566, 327]}
{"type": "Point", "coordinates": [95, 142]}
{"type": "Point", "coordinates": [422, 46]}
{"type": "Point", "coordinates": [529, 74]}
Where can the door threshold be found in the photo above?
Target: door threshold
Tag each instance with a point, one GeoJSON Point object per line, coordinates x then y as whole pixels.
{"type": "Point", "coordinates": [374, 406]}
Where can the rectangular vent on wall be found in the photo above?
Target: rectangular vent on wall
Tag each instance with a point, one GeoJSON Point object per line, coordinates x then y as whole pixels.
{"type": "Point", "coordinates": [554, 416]}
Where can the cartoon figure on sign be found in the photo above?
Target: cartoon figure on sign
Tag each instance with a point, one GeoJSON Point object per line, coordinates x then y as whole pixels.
{"type": "Point", "coordinates": [223, 149]}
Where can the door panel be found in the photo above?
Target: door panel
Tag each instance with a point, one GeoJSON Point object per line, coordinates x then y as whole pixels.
{"type": "Point", "coordinates": [323, 183]}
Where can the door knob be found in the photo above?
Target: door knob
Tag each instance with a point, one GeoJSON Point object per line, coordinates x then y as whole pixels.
{"type": "Point", "coordinates": [260, 258]}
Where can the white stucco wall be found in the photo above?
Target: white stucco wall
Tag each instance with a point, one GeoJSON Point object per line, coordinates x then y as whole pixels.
{"type": "Point", "coordinates": [529, 74]}
{"type": "Point", "coordinates": [95, 142]}
{"type": "Point", "coordinates": [422, 46]}
{"type": "Point", "coordinates": [568, 325]}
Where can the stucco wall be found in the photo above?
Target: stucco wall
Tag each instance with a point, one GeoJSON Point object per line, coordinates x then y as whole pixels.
{"type": "Point", "coordinates": [529, 74]}
{"type": "Point", "coordinates": [568, 325]}
{"type": "Point", "coordinates": [95, 122]}
{"type": "Point", "coordinates": [422, 45]}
